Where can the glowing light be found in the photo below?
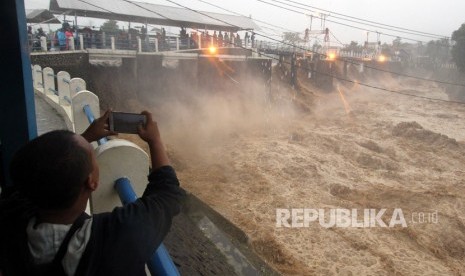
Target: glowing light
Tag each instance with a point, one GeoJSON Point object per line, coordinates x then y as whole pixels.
{"type": "Point", "coordinates": [212, 50]}
{"type": "Point", "coordinates": [331, 56]}
{"type": "Point", "coordinates": [381, 58]}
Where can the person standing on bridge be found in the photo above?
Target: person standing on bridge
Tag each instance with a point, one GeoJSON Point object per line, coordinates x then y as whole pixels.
{"type": "Point", "coordinates": [252, 38]}
{"type": "Point", "coordinates": [226, 40]}
{"type": "Point", "coordinates": [45, 230]}
{"type": "Point", "coordinates": [220, 39]}
{"type": "Point", "coordinates": [238, 40]}
{"type": "Point", "coordinates": [68, 35]}
{"type": "Point", "coordinates": [215, 39]}
{"type": "Point", "coordinates": [61, 39]}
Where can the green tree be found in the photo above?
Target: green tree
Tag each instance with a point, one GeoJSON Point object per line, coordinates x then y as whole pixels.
{"type": "Point", "coordinates": [292, 37]}
{"type": "Point", "coordinates": [458, 50]}
{"type": "Point", "coordinates": [353, 46]}
{"type": "Point", "coordinates": [396, 43]}
{"type": "Point", "coordinates": [110, 27]}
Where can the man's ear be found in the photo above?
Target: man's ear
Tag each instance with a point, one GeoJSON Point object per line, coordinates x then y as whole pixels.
{"type": "Point", "coordinates": [91, 183]}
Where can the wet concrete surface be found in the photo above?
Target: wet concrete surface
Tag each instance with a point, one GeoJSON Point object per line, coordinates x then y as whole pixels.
{"type": "Point", "coordinates": [47, 118]}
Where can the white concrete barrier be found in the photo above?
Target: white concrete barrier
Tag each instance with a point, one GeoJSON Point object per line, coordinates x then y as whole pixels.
{"type": "Point", "coordinates": [43, 43]}
{"type": "Point", "coordinates": [76, 85]}
{"type": "Point", "coordinates": [38, 80]}
{"type": "Point", "coordinates": [71, 46]}
{"type": "Point", "coordinates": [49, 96]}
{"type": "Point", "coordinates": [80, 100]}
{"type": "Point", "coordinates": [63, 79]}
{"type": "Point", "coordinates": [49, 81]}
{"type": "Point", "coordinates": [81, 41]}
{"type": "Point", "coordinates": [118, 158]}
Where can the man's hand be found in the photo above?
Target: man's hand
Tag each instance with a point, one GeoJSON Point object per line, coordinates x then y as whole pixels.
{"type": "Point", "coordinates": [98, 129]}
{"type": "Point", "coordinates": [150, 134]}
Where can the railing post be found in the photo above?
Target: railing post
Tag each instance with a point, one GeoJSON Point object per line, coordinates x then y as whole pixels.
{"type": "Point", "coordinates": [160, 263]}
{"type": "Point", "coordinates": [79, 100]}
{"type": "Point", "coordinates": [37, 80]}
{"type": "Point", "coordinates": [81, 41]}
{"type": "Point", "coordinates": [49, 81]}
{"type": "Point", "coordinates": [104, 40]}
{"type": "Point", "coordinates": [156, 45]}
{"type": "Point", "coordinates": [139, 44]}
{"type": "Point", "coordinates": [199, 35]}
{"type": "Point", "coordinates": [76, 85]}
{"type": "Point", "coordinates": [64, 94]}
{"type": "Point", "coordinates": [113, 43]}
{"type": "Point", "coordinates": [71, 43]}
{"type": "Point", "coordinates": [43, 43]}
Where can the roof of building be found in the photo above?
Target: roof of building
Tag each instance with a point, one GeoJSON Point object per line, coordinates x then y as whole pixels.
{"type": "Point", "coordinates": [41, 16]}
{"type": "Point", "coordinates": [139, 12]}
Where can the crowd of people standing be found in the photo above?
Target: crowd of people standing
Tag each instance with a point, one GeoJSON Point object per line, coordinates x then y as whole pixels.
{"type": "Point", "coordinates": [219, 39]}
{"type": "Point", "coordinates": [62, 40]}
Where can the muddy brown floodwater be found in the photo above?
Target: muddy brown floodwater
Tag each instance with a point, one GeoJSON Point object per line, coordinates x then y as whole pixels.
{"type": "Point", "coordinates": [247, 155]}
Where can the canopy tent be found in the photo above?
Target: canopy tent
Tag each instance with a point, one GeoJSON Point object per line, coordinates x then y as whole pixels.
{"type": "Point", "coordinates": [41, 16]}
{"type": "Point", "coordinates": [152, 14]}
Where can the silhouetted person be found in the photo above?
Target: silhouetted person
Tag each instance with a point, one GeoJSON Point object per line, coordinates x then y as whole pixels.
{"type": "Point", "coordinates": [44, 228]}
{"type": "Point", "coordinates": [226, 40]}
{"type": "Point", "coordinates": [68, 34]}
{"type": "Point", "coordinates": [215, 38]}
{"type": "Point", "coordinates": [238, 40]}
{"type": "Point", "coordinates": [220, 39]}
{"type": "Point", "coordinates": [252, 38]}
{"type": "Point", "coordinates": [61, 38]}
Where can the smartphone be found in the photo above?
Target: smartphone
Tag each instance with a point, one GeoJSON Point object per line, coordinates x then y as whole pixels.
{"type": "Point", "coordinates": [123, 122]}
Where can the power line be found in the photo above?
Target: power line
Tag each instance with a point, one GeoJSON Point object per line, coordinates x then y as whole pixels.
{"type": "Point", "coordinates": [236, 13]}
{"type": "Point", "coordinates": [336, 38]}
{"type": "Point", "coordinates": [340, 23]}
{"type": "Point", "coordinates": [373, 22]}
{"type": "Point", "coordinates": [264, 22]}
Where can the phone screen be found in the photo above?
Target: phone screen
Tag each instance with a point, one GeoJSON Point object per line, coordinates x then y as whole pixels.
{"type": "Point", "coordinates": [122, 122]}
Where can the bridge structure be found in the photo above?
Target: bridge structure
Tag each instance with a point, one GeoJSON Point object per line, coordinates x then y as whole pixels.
{"type": "Point", "coordinates": [99, 45]}
{"type": "Point", "coordinates": [201, 55]}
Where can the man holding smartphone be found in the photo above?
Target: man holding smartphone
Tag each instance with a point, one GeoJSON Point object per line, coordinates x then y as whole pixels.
{"type": "Point", "coordinates": [45, 230]}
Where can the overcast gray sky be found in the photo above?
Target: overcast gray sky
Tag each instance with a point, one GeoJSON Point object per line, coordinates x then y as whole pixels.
{"type": "Point", "coordinates": [431, 16]}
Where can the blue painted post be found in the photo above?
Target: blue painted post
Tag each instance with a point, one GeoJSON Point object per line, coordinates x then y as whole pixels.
{"type": "Point", "coordinates": [90, 117]}
{"type": "Point", "coordinates": [17, 111]}
{"type": "Point", "coordinates": [160, 263]}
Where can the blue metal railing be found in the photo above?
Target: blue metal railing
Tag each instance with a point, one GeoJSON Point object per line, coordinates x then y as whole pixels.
{"type": "Point", "coordinates": [160, 263]}
{"type": "Point", "coordinates": [91, 118]}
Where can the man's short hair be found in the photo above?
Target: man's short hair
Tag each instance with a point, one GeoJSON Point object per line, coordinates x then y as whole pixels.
{"type": "Point", "coordinates": [51, 169]}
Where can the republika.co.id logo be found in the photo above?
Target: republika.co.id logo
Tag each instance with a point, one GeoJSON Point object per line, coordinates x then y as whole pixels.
{"type": "Point", "coordinates": [338, 217]}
